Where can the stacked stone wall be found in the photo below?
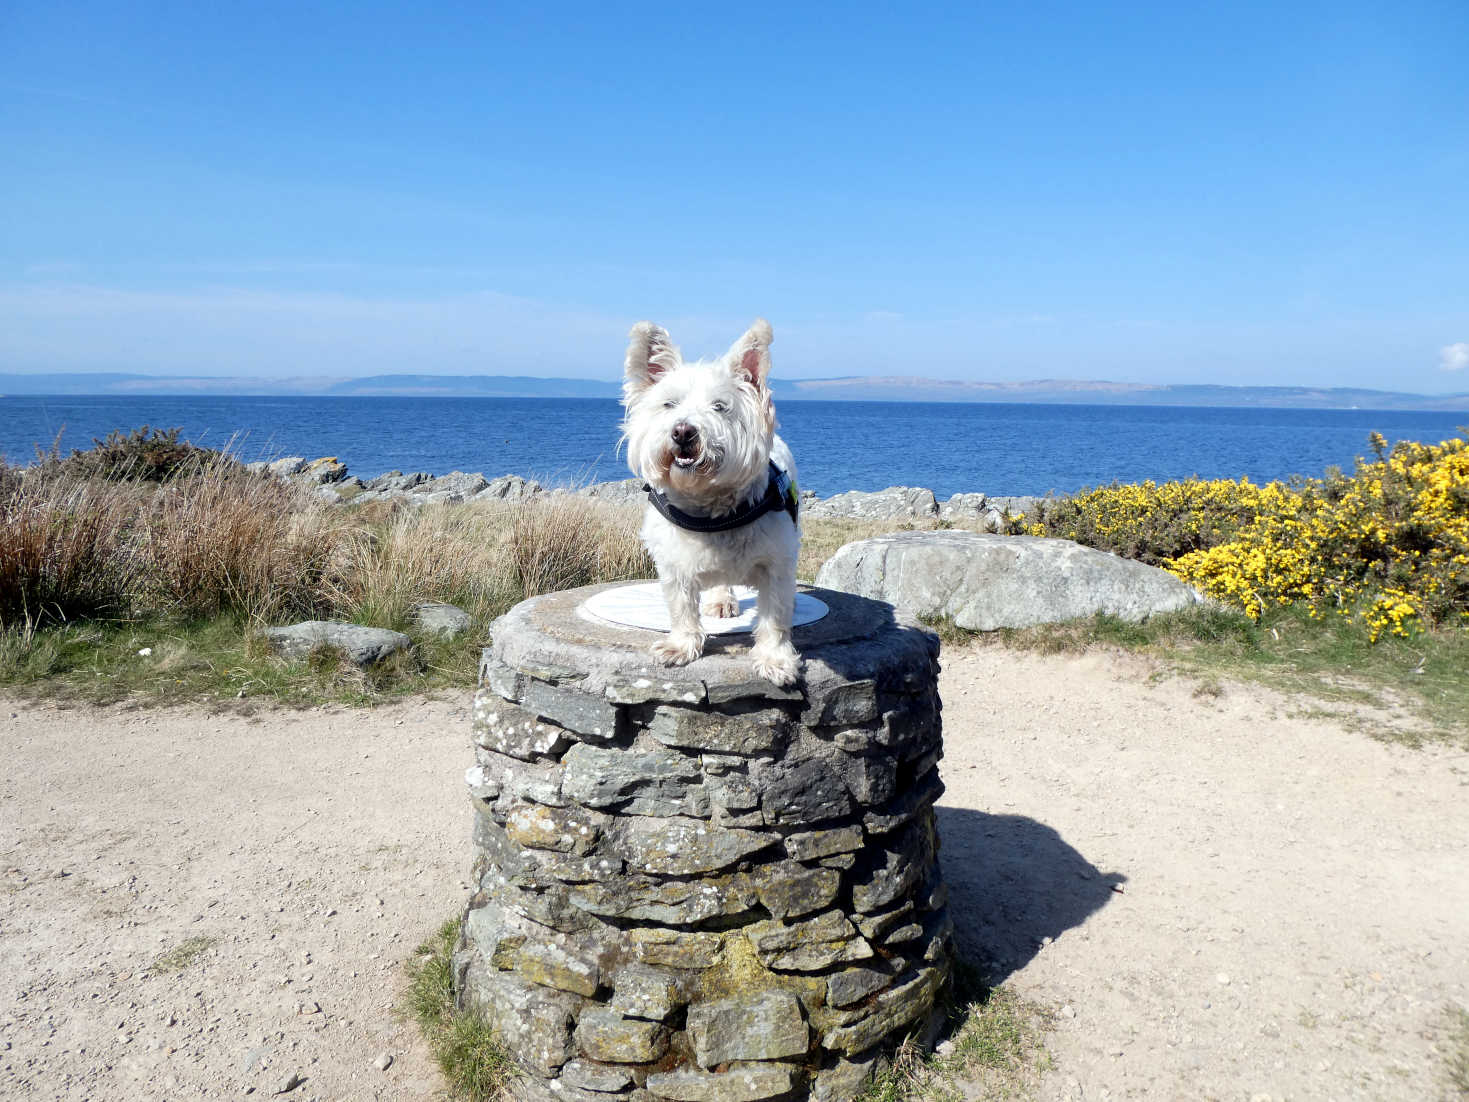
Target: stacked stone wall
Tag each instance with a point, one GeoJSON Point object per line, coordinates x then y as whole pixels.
{"type": "Point", "coordinates": [692, 885]}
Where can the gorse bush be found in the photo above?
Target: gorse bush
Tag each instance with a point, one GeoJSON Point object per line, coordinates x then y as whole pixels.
{"type": "Point", "coordinates": [1387, 546]}
{"type": "Point", "coordinates": [143, 455]}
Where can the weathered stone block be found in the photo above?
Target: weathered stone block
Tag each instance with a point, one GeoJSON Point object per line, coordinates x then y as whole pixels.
{"type": "Point", "coordinates": [812, 844]}
{"type": "Point", "coordinates": [684, 847]}
{"type": "Point", "coordinates": [788, 889]}
{"type": "Point", "coordinates": [906, 807]}
{"type": "Point", "coordinates": [877, 925]}
{"type": "Point", "coordinates": [587, 1076]}
{"type": "Point", "coordinates": [799, 793]}
{"type": "Point", "coordinates": [638, 689]}
{"type": "Point", "coordinates": [842, 703]}
{"type": "Point", "coordinates": [639, 991]}
{"type": "Point", "coordinates": [872, 779]}
{"type": "Point", "coordinates": [669, 902]}
{"type": "Point", "coordinates": [533, 1022]}
{"type": "Point", "coordinates": [745, 733]}
{"type": "Point", "coordinates": [676, 948]}
{"type": "Point", "coordinates": [563, 829]}
{"type": "Point", "coordinates": [650, 782]}
{"type": "Point", "coordinates": [766, 1025]}
{"type": "Point", "coordinates": [509, 729]}
{"type": "Point", "coordinates": [749, 1083]}
{"type": "Point", "coordinates": [882, 875]}
{"type": "Point", "coordinates": [552, 965]}
{"type": "Point", "coordinates": [852, 985]}
{"type": "Point", "coordinates": [608, 1036]}
{"type": "Point", "coordinates": [896, 1007]}
{"type": "Point", "coordinates": [808, 945]}
{"type": "Point", "coordinates": [589, 716]}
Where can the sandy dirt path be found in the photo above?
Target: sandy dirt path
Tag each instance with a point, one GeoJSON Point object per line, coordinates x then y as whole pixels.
{"type": "Point", "coordinates": [1218, 896]}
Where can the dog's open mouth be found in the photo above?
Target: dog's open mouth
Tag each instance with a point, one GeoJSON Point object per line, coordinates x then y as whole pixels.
{"type": "Point", "coordinates": [685, 462]}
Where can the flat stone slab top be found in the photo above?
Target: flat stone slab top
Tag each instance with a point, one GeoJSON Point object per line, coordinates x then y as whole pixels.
{"type": "Point", "coordinates": [641, 605]}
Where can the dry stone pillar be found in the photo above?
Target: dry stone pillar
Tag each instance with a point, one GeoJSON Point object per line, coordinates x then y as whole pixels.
{"type": "Point", "coordinates": [693, 885]}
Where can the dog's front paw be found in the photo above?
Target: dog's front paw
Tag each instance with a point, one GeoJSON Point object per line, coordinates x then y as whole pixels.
{"type": "Point", "coordinates": [780, 665]}
{"type": "Point", "coordinates": [721, 603]}
{"type": "Point", "coordinates": [677, 650]}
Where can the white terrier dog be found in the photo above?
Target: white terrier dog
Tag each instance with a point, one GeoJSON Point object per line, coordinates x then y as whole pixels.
{"type": "Point", "coordinates": [723, 503]}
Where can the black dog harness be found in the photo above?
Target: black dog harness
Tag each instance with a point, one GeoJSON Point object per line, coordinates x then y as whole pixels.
{"type": "Point", "coordinates": [780, 493]}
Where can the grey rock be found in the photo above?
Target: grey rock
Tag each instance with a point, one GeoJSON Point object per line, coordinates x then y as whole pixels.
{"type": "Point", "coordinates": [589, 716]}
{"type": "Point", "coordinates": [641, 689]}
{"type": "Point", "coordinates": [397, 481]}
{"type": "Point", "coordinates": [962, 508]}
{"type": "Point", "coordinates": [587, 1076]}
{"type": "Point", "coordinates": [884, 874]}
{"type": "Point", "coordinates": [508, 487]}
{"type": "Point", "coordinates": [812, 844]}
{"type": "Point", "coordinates": [507, 728]}
{"type": "Point", "coordinates": [799, 793]}
{"type": "Point", "coordinates": [844, 1078]}
{"type": "Point", "coordinates": [984, 582]}
{"type": "Point", "coordinates": [384, 1061]}
{"type": "Point", "coordinates": [559, 966]}
{"type": "Point", "coordinates": [441, 620]}
{"type": "Point", "coordinates": [906, 807]}
{"type": "Point", "coordinates": [725, 692]}
{"type": "Point", "coordinates": [652, 782]}
{"type": "Point", "coordinates": [608, 1036]}
{"type": "Point", "coordinates": [766, 1025]}
{"type": "Point", "coordinates": [742, 1083]}
{"type": "Point", "coordinates": [668, 948]}
{"type": "Point", "coordinates": [452, 488]}
{"type": "Point", "coordinates": [852, 985]}
{"type": "Point", "coordinates": [844, 704]}
{"type": "Point", "coordinates": [562, 829]}
{"type": "Point", "coordinates": [628, 491]}
{"type": "Point", "coordinates": [685, 847]}
{"type": "Point", "coordinates": [538, 781]}
{"type": "Point", "coordinates": [757, 732]}
{"type": "Point", "coordinates": [809, 945]}
{"type": "Point", "coordinates": [788, 890]}
{"type": "Point", "coordinates": [670, 902]}
{"type": "Point", "coordinates": [641, 991]}
{"type": "Point", "coordinates": [894, 503]}
{"type": "Point", "coordinates": [910, 999]}
{"type": "Point", "coordinates": [322, 471]}
{"type": "Point", "coordinates": [876, 925]}
{"type": "Point", "coordinates": [534, 1022]}
{"type": "Point", "coordinates": [362, 646]}
{"type": "Point", "coordinates": [872, 779]}
{"type": "Point", "coordinates": [287, 466]}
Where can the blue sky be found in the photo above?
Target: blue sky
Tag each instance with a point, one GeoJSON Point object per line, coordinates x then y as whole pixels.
{"type": "Point", "coordinates": [1155, 192]}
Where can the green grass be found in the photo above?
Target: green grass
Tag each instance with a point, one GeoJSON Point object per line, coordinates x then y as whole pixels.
{"type": "Point", "coordinates": [995, 1049]}
{"type": "Point", "coordinates": [1458, 1051]}
{"type": "Point", "coordinates": [220, 660]}
{"type": "Point", "coordinates": [1420, 680]}
{"type": "Point", "coordinates": [463, 1044]}
{"type": "Point", "coordinates": [182, 955]}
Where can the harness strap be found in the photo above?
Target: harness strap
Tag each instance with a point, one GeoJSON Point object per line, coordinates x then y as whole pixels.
{"type": "Point", "coordinates": [780, 493]}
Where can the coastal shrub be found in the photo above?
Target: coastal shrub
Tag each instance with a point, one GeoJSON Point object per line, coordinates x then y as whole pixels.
{"type": "Point", "coordinates": [1155, 522]}
{"type": "Point", "coordinates": [1386, 546]}
{"type": "Point", "coordinates": [144, 455]}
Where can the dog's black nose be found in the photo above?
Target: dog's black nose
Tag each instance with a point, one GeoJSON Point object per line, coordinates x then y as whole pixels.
{"type": "Point", "coordinates": [684, 434]}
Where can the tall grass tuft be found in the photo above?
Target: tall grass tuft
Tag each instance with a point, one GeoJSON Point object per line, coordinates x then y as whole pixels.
{"type": "Point", "coordinates": [562, 541]}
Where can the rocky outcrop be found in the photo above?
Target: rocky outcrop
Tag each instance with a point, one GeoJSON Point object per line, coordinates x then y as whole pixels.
{"type": "Point", "coordinates": [983, 582]}
{"type": "Point", "coordinates": [896, 502]}
{"type": "Point", "coordinates": [690, 884]}
{"type": "Point", "coordinates": [362, 646]}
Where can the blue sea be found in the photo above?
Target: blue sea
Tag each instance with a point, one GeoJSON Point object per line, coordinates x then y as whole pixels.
{"type": "Point", "coordinates": [1000, 449]}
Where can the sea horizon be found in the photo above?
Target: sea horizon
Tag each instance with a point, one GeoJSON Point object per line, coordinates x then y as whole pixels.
{"type": "Point", "coordinates": [1001, 449]}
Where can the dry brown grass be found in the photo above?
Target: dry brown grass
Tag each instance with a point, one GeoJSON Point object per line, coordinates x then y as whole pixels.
{"type": "Point", "coordinates": [821, 537]}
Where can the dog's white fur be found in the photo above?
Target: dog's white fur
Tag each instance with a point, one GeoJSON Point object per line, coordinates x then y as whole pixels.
{"type": "Point", "coordinates": [725, 421]}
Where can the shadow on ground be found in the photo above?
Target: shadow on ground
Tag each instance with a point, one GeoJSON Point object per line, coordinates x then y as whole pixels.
{"type": "Point", "coordinates": [1013, 882]}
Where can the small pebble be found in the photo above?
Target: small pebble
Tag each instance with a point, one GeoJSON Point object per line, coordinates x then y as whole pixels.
{"type": "Point", "coordinates": [294, 1080]}
{"type": "Point", "coordinates": [1223, 979]}
{"type": "Point", "coordinates": [384, 1061]}
{"type": "Point", "coordinates": [1068, 1011]}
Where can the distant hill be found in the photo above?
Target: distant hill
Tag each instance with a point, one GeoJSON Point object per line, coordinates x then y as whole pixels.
{"type": "Point", "coordinates": [854, 388]}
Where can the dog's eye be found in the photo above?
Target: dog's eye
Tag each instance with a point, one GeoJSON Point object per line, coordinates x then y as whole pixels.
{"type": "Point", "coordinates": [720, 407]}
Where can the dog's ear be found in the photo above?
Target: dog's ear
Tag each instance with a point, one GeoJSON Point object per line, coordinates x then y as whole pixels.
{"type": "Point", "coordinates": [649, 354]}
{"type": "Point", "coordinates": [749, 357]}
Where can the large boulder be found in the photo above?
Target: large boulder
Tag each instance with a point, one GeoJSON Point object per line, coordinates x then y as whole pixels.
{"type": "Point", "coordinates": [983, 582]}
{"type": "Point", "coordinates": [441, 620]}
{"type": "Point", "coordinates": [894, 503]}
{"type": "Point", "coordinates": [509, 487]}
{"type": "Point", "coordinates": [449, 489]}
{"type": "Point", "coordinates": [629, 491]}
{"type": "Point", "coordinates": [363, 646]}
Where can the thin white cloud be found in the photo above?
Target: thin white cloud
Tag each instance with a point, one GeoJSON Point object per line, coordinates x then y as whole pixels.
{"type": "Point", "coordinates": [1454, 357]}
